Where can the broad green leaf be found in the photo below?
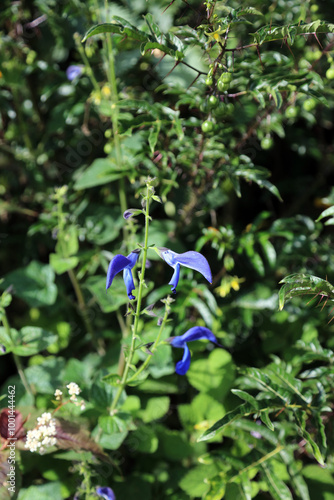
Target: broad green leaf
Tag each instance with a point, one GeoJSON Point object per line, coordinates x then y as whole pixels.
{"type": "Point", "coordinates": [213, 374]}
{"type": "Point", "coordinates": [101, 171]}
{"type": "Point", "coordinates": [41, 492]}
{"type": "Point", "coordinates": [155, 409]}
{"type": "Point", "coordinates": [320, 481]}
{"type": "Point", "coordinates": [31, 340]}
{"type": "Point", "coordinates": [115, 296]}
{"type": "Point", "coordinates": [112, 379]}
{"type": "Point", "coordinates": [195, 482]}
{"type": "Point", "coordinates": [62, 264]}
{"type": "Point", "coordinates": [46, 377]}
{"type": "Point", "coordinates": [145, 439]}
{"type": "Point", "coordinates": [33, 283]}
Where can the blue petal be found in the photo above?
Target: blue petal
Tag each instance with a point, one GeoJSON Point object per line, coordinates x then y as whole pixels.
{"type": "Point", "coordinates": [175, 278]}
{"type": "Point", "coordinates": [191, 259]}
{"type": "Point", "coordinates": [182, 366]}
{"type": "Point", "coordinates": [133, 257]}
{"type": "Point", "coordinates": [196, 261]}
{"type": "Point", "coordinates": [117, 264]}
{"type": "Point", "coordinates": [106, 492]}
{"type": "Point", "coordinates": [128, 280]}
{"type": "Point", "coordinates": [195, 333]}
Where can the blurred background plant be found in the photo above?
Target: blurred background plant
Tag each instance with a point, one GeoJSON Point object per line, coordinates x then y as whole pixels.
{"type": "Point", "coordinates": [230, 108]}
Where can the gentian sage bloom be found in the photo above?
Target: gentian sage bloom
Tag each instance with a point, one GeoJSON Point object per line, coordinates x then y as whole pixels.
{"type": "Point", "coordinates": [193, 260]}
{"type": "Point", "coordinates": [73, 71]}
{"type": "Point", "coordinates": [105, 492]}
{"type": "Point", "coordinates": [120, 263]}
{"type": "Point", "coordinates": [194, 333]}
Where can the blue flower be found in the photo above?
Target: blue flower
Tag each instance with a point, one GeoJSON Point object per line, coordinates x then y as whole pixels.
{"type": "Point", "coordinates": [73, 72]}
{"type": "Point", "coordinates": [193, 260]}
{"type": "Point", "coordinates": [194, 333]}
{"type": "Point", "coordinates": [105, 492]}
{"type": "Point", "coordinates": [120, 263]}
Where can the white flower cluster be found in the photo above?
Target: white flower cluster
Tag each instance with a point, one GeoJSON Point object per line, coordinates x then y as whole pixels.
{"type": "Point", "coordinates": [43, 435]}
{"type": "Point", "coordinates": [73, 390]}
{"type": "Point", "coordinates": [58, 394]}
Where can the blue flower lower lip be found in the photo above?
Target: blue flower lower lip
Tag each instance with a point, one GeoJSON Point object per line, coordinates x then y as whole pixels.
{"type": "Point", "coordinates": [120, 263]}
{"type": "Point", "coordinates": [192, 260]}
{"type": "Point", "coordinates": [194, 333]}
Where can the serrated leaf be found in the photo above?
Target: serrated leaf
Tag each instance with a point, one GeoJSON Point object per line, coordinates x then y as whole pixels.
{"type": "Point", "coordinates": [276, 486]}
{"type": "Point", "coordinates": [271, 33]}
{"type": "Point", "coordinates": [264, 416]}
{"type": "Point", "coordinates": [243, 410]}
{"type": "Point", "coordinates": [298, 284]}
{"type": "Point", "coordinates": [246, 397]}
{"type": "Point", "coordinates": [154, 134]}
{"type": "Point", "coordinates": [119, 27]}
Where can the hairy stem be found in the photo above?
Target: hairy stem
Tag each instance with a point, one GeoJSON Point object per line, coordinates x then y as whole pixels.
{"type": "Point", "coordinates": [138, 307]}
{"type": "Point", "coordinates": [156, 343]}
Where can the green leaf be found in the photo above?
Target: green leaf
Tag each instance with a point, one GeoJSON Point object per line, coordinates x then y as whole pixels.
{"type": "Point", "coordinates": [31, 340]}
{"type": "Point", "coordinates": [146, 439]}
{"type": "Point", "coordinates": [213, 374]}
{"type": "Point", "coordinates": [271, 33]}
{"type": "Point", "coordinates": [243, 410]}
{"type": "Point", "coordinates": [301, 422]}
{"type": "Point", "coordinates": [112, 379]}
{"type": "Point", "coordinates": [154, 134]}
{"type": "Point", "coordinates": [155, 409]}
{"type": "Point", "coordinates": [299, 284]}
{"type": "Point", "coordinates": [34, 284]}
{"type": "Point", "coordinates": [41, 492]}
{"type": "Point", "coordinates": [101, 171]}
{"type": "Point", "coordinates": [246, 397]}
{"type": "Point", "coordinates": [326, 213]}
{"type": "Point", "coordinates": [277, 488]}
{"type": "Point", "coordinates": [62, 264]}
{"type": "Point", "coordinates": [195, 482]}
{"type": "Point", "coordinates": [119, 27]}
{"type": "Point", "coordinates": [264, 416]}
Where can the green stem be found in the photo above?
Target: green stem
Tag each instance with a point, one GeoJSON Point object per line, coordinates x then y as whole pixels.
{"type": "Point", "coordinates": [114, 119]}
{"type": "Point", "coordinates": [138, 308]}
{"type": "Point", "coordinates": [155, 345]}
{"type": "Point", "coordinates": [17, 359]}
{"type": "Point", "coordinates": [89, 70]}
